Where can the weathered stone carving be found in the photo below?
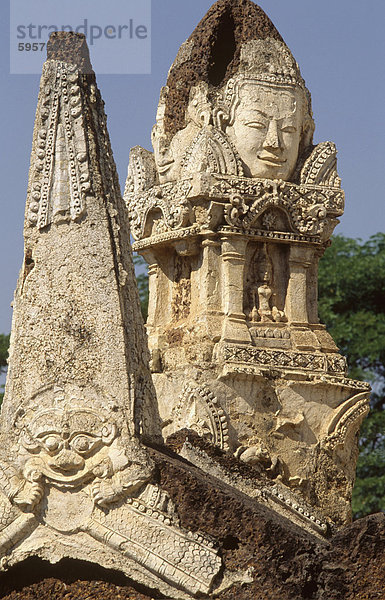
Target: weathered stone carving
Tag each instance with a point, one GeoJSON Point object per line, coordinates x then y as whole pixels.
{"type": "Point", "coordinates": [60, 179]}
{"type": "Point", "coordinates": [236, 209]}
{"type": "Point", "coordinates": [232, 211]}
{"type": "Point", "coordinates": [198, 410]}
{"type": "Point", "coordinates": [75, 478]}
{"type": "Point", "coordinates": [75, 474]}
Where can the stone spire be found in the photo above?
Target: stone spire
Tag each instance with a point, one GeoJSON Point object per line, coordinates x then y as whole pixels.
{"type": "Point", "coordinates": [76, 310]}
{"type": "Point", "coordinates": [75, 480]}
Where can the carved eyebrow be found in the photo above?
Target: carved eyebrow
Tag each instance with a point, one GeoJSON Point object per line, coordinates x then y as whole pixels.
{"type": "Point", "coordinates": [47, 433]}
{"type": "Point", "coordinates": [258, 112]}
{"type": "Point", "coordinates": [88, 434]}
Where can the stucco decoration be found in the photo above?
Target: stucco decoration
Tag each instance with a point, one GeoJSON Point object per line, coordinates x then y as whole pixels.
{"type": "Point", "coordinates": [76, 480]}
{"type": "Point", "coordinates": [237, 208]}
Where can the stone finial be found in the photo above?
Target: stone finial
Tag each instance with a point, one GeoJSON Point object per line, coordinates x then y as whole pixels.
{"type": "Point", "coordinates": [76, 310]}
{"type": "Point", "coordinates": [233, 211]}
{"type": "Point", "coordinates": [212, 53]}
{"type": "Point", "coordinates": [70, 47]}
{"type": "Point", "coordinates": [235, 101]}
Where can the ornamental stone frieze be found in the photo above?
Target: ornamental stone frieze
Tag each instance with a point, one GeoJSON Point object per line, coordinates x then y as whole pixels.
{"type": "Point", "coordinates": [232, 211]}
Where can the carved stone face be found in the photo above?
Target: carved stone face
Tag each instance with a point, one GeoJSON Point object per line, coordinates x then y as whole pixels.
{"type": "Point", "coordinates": [266, 128]}
{"type": "Point", "coordinates": [168, 155]}
{"type": "Point", "coordinates": [68, 444]}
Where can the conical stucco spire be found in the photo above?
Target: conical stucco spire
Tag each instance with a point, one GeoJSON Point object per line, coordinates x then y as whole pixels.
{"type": "Point", "coordinates": [75, 479]}
{"type": "Point", "coordinates": [77, 317]}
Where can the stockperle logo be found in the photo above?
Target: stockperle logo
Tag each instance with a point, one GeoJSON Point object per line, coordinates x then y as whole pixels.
{"type": "Point", "coordinates": [118, 33]}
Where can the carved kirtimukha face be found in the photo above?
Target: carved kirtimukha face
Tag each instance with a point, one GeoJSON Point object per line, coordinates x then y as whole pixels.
{"type": "Point", "coordinates": [265, 127]}
{"type": "Point", "coordinates": [166, 155]}
{"type": "Point", "coordinates": [68, 445]}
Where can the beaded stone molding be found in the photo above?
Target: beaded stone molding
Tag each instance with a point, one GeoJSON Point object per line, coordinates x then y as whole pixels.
{"type": "Point", "coordinates": [60, 139]}
{"type": "Point", "coordinates": [227, 203]}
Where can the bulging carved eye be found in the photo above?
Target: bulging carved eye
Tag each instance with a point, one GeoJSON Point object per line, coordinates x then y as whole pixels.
{"type": "Point", "coordinates": [82, 443]}
{"type": "Point", "coordinates": [52, 442]}
{"type": "Point", "coordinates": [289, 129]}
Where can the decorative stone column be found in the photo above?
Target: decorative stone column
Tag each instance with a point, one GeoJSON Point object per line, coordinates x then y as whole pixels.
{"type": "Point", "coordinates": [233, 261]}
{"type": "Point", "coordinates": [301, 258]}
{"type": "Point", "coordinates": [153, 270]}
{"type": "Point", "coordinates": [210, 288]}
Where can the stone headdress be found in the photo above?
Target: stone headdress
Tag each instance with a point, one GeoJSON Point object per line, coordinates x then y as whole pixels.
{"type": "Point", "coordinates": [234, 44]}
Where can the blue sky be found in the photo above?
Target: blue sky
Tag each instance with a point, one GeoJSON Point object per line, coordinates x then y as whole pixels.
{"type": "Point", "coordinates": [340, 47]}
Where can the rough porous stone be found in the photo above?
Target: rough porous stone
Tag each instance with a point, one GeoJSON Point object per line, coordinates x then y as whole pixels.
{"type": "Point", "coordinates": [281, 561]}
{"type": "Point", "coordinates": [70, 47]}
{"type": "Point", "coordinates": [211, 53]}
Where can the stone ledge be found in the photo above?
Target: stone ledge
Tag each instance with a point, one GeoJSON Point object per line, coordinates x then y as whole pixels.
{"type": "Point", "coordinates": [283, 562]}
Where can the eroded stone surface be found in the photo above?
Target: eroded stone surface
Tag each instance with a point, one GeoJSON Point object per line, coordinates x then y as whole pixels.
{"type": "Point", "coordinates": [233, 211]}
{"type": "Point", "coordinates": [75, 479]}
{"type": "Point", "coordinates": [264, 554]}
{"type": "Point", "coordinates": [211, 54]}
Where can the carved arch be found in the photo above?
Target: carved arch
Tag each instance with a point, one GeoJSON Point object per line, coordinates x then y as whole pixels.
{"type": "Point", "coordinates": [211, 152]}
{"type": "Point", "coordinates": [346, 417]}
{"type": "Point", "coordinates": [198, 409]}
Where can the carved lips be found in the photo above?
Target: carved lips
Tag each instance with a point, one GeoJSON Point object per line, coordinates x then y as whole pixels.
{"type": "Point", "coordinates": [271, 159]}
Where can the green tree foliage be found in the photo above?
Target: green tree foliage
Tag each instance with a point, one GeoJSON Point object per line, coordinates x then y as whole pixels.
{"type": "Point", "coordinates": [352, 305]}
{"type": "Point", "coordinates": [142, 281]}
{"type": "Point", "coordinates": [4, 343]}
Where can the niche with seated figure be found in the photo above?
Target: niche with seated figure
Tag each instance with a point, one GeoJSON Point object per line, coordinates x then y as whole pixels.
{"type": "Point", "coordinates": [266, 280]}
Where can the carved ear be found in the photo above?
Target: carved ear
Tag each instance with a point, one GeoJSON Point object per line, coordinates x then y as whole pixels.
{"type": "Point", "coordinates": [221, 119]}
{"type": "Point", "coordinates": [108, 433]}
{"type": "Point", "coordinates": [205, 117]}
{"type": "Point", "coordinates": [27, 441]}
{"type": "Point", "coordinates": [26, 438]}
{"type": "Point", "coordinates": [307, 134]}
{"type": "Point", "coordinates": [19, 417]}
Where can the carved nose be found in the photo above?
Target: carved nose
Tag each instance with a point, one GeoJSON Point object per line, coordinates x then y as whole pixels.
{"type": "Point", "coordinates": [68, 461]}
{"type": "Point", "coordinates": [162, 145]}
{"type": "Point", "coordinates": [272, 137]}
